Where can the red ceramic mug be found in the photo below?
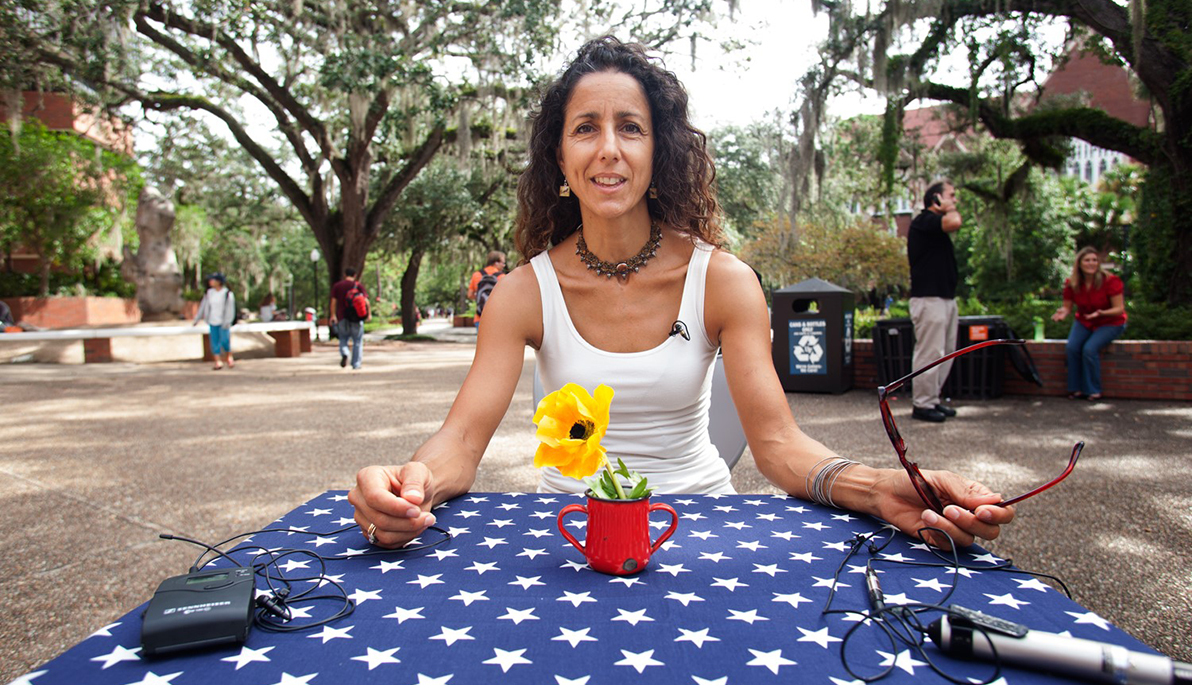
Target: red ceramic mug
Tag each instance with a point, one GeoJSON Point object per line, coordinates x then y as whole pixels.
{"type": "Point", "coordinates": [618, 537]}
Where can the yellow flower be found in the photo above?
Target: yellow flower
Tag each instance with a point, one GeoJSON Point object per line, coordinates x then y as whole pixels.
{"type": "Point", "coordinates": [571, 424]}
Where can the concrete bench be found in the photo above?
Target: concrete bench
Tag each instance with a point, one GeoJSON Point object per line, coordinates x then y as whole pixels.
{"type": "Point", "coordinates": [290, 338]}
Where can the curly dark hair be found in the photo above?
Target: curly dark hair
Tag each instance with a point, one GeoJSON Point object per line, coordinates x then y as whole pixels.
{"type": "Point", "coordinates": [683, 172]}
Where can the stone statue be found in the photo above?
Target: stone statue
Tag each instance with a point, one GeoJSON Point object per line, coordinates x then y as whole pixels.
{"type": "Point", "coordinates": [154, 268]}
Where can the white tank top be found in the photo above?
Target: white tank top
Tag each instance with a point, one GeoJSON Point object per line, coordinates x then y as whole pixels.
{"type": "Point", "coordinates": [658, 422]}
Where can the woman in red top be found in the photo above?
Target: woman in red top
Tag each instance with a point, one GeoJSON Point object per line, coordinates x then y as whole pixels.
{"type": "Point", "coordinates": [1100, 317]}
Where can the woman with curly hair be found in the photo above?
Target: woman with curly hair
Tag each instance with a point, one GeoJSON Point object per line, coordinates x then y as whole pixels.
{"type": "Point", "coordinates": [625, 283]}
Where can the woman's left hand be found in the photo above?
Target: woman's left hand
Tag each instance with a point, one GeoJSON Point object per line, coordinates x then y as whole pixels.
{"type": "Point", "coordinates": [970, 508]}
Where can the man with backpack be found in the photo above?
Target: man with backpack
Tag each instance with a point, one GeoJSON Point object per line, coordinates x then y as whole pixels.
{"type": "Point", "coordinates": [349, 310]}
{"type": "Point", "coordinates": [484, 280]}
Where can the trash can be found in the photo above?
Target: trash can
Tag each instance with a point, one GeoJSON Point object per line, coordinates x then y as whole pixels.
{"type": "Point", "coordinates": [979, 375]}
{"type": "Point", "coordinates": [893, 350]}
{"type": "Point", "coordinates": [812, 322]}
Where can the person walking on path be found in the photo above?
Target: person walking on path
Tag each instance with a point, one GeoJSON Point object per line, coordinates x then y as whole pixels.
{"type": "Point", "coordinates": [933, 297]}
{"type": "Point", "coordinates": [1100, 318]}
{"type": "Point", "coordinates": [481, 285]}
{"type": "Point", "coordinates": [350, 326]}
{"type": "Point", "coordinates": [218, 309]}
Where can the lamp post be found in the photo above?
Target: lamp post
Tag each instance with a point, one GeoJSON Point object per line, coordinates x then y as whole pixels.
{"type": "Point", "coordinates": [314, 270]}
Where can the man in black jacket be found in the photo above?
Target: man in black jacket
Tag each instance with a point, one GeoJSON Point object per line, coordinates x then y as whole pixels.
{"type": "Point", "coordinates": [933, 293]}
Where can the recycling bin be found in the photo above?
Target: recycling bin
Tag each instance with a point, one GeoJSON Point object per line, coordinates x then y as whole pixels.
{"type": "Point", "coordinates": [812, 325]}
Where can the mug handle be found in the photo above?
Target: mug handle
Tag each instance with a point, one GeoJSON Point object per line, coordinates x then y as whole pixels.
{"type": "Point", "coordinates": [571, 509]}
{"type": "Point", "coordinates": [659, 506]}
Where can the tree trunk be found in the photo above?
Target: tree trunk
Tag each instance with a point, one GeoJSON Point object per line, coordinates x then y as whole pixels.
{"type": "Point", "coordinates": [43, 290]}
{"type": "Point", "coordinates": [409, 279]}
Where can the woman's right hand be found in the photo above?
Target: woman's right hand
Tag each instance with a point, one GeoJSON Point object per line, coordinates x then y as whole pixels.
{"type": "Point", "coordinates": [397, 499]}
{"type": "Point", "coordinates": [1060, 314]}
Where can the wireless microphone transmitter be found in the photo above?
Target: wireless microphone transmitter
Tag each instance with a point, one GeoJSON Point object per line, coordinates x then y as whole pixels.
{"type": "Point", "coordinates": [197, 610]}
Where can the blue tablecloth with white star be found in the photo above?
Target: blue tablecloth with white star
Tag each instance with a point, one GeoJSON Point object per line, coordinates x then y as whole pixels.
{"type": "Point", "coordinates": [735, 596]}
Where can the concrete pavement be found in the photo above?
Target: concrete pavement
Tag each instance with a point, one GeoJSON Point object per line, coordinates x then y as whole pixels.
{"type": "Point", "coordinates": [96, 460]}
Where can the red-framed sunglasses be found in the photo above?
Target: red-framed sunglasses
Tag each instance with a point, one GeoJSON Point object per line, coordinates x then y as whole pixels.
{"type": "Point", "coordinates": [926, 492]}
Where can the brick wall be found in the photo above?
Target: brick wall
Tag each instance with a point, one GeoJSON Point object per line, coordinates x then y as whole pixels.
{"type": "Point", "coordinates": [73, 312]}
{"type": "Point", "coordinates": [1132, 369]}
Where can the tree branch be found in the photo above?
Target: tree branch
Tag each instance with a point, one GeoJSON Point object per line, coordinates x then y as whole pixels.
{"type": "Point", "coordinates": [388, 197]}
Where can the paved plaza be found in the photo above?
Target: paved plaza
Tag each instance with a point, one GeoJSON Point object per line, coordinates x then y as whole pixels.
{"type": "Point", "coordinates": [96, 460]}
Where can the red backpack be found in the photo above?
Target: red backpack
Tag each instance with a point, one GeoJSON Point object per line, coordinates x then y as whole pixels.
{"type": "Point", "coordinates": [357, 304]}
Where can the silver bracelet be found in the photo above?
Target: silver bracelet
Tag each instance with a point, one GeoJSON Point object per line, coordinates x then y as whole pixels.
{"type": "Point", "coordinates": [820, 491]}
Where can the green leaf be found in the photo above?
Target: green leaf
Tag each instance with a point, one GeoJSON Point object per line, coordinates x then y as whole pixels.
{"type": "Point", "coordinates": [641, 489]}
{"type": "Point", "coordinates": [596, 485]}
{"type": "Point", "coordinates": [622, 468]}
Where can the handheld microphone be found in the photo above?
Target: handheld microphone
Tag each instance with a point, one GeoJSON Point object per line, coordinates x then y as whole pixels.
{"type": "Point", "coordinates": [973, 635]}
{"type": "Point", "coordinates": [679, 328]}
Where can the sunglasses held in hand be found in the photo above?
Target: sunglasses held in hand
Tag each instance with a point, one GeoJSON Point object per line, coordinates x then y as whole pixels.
{"type": "Point", "coordinates": [922, 486]}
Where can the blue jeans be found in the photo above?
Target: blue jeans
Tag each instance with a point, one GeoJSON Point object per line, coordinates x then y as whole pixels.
{"type": "Point", "coordinates": [353, 330]}
{"type": "Point", "coordinates": [221, 340]}
{"type": "Point", "coordinates": [1084, 356]}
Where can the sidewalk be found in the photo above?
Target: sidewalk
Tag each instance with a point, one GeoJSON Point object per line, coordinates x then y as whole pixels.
{"type": "Point", "coordinates": [96, 460]}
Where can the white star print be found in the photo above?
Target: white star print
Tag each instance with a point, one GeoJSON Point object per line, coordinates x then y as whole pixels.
{"type": "Point", "coordinates": [804, 556]}
{"type": "Point", "coordinates": [684, 597]}
{"type": "Point", "coordinates": [1089, 617]}
{"type": "Point", "coordinates": [118, 654]}
{"type": "Point", "coordinates": [300, 612]}
{"type": "Point", "coordinates": [546, 500]}
{"type": "Point", "coordinates": [828, 582]}
{"type": "Point", "coordinates": [693, 516]}
{"type": "Point", "coordinates": [767, 517]}
{"type": "Point", "coordinates": [456, 531]}
{"type": "Point", "coordinates": [843, 517]}
{"type": "Point", "coordinates": [768, 569]}
{"type": "Point", "coordinates": [771, 660]}
{"type": "Point", "coordinates": [248, 655]}
{"type": "Point", "coordinates": [501, 523]}
{"type": "Point", "coordinates": [321, 540]}
{"type": "Point", "coordinates": [841, 546]}
{"type": "Point", "coordinates": [895, 557]}
{"type": "Point", "coordinates": [441, 554]}
{"type": "Point", "coordinates": [387, 566]}
{"type": "Point", "coordinates": [527, 583]}
{"type": "Point", "coordinates": [576, 599]}
{"type": "Point", "coordinates": [543, 514]}
{"type": "Point", "coordinates": [287, 679]}
{"type": "Point", "coordinates": [452, 635]}
{"type": "Point", "coordinates": [319, 512]}
{"type": "Point", "coordinates": [152, 678]}
{"type": "Point", "coordinates": [713, 556]}
{"type": "Point", "coordinates": [573, 636]}
{"type": "Point", "coordinates": [749, 617]}
{"type": "Point", "coordinates": [799, 509]}
{"type": "Point", "coordinates": [702, 534]}
{"type": "Point", "coordinates": [933, 583]}
{"type": "Point", "coordinates": [375, 657]}
{"type": "Point", "coordinates": [814, 525]}
{"type": "Point", "coordinates": [532, 553]}
{"type": "Point", "coordinates": [987, 558]}
{"type": "Point", "coordinates": [1031, 584]}
{"type": "Point", "coordinates": [423, 581]}
{"type": "Point", "coordinates": [794, 599]}
{"type": "Point", "coordinates": [582, 680]}
{"type": "Point", "coordinates": [341, 521]}
{"type": "Point", "coordinates": [468, 597]}
{"type": "Point", "coordinates": [519, 615]}
{"type": "Point", "coordinates": [784, 534]}
{"type": "Point", "coordinates": [105, 631]}
{"type": "Point", "coordinates": [507, 660]}
{"type": "Point", "coordinates": [755, 502]}
{"type": "Point", "coordinates": [327, 580]}
{"type": "Point", "coordinates": [673, 569]}
{"type": "Point", "coordinates": [638, 660]}
{"type": "Point", "coordinates": [819, 637]}
{"type": "Point", "coordinates": [468, 513]}
{"type": "Point", "coordinates": [627, 581]}
{"type": "Point", "coordinates": [427, 680]}
{"type": "Point", "coordinates": [403, 615]}
{"type": "Point", "coordinates": [480, 567]}
{"type": "Point", "coordinates": [726, 508]}
{"type": "Point", "coordinates": [574, 565]}
{"type": "Point", "coordinates": [722, 680]}
{"type": "Point", "coordinates": [1006, 599]}
{"type": "Point", "coordinates": [537, 532]}
{"type": "Point", "coordinates": [633, 617]}
{"type": "Point", "coordinates": [685, 502]}
{"type": "Point", "coordinates": [508, 506]}
{"type": "Point", "coordinates": [696, 637]}
{"type": "Point", "coordinates": [899, 598]}
{"type": "Point", "coordinates": [731, 583]}
{"type": "Point", "coordinates": [752, 546]}
{"type": "Point", "coordinates": [328, 634]}
{"type": "Point", "coordinates": [361, 596]}
{"type": "Point", "coordinates": [903, 661]}
{"type": "Point", "coordinates": [737, 525]}
{"type": "Point", "coordinates": [493, 542]}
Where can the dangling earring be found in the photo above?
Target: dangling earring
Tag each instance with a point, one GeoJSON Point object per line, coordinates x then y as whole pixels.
{"type": "Point", "coordinates": [565, 189]}
{"type": "Point", "coordinates": [653, 191]}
